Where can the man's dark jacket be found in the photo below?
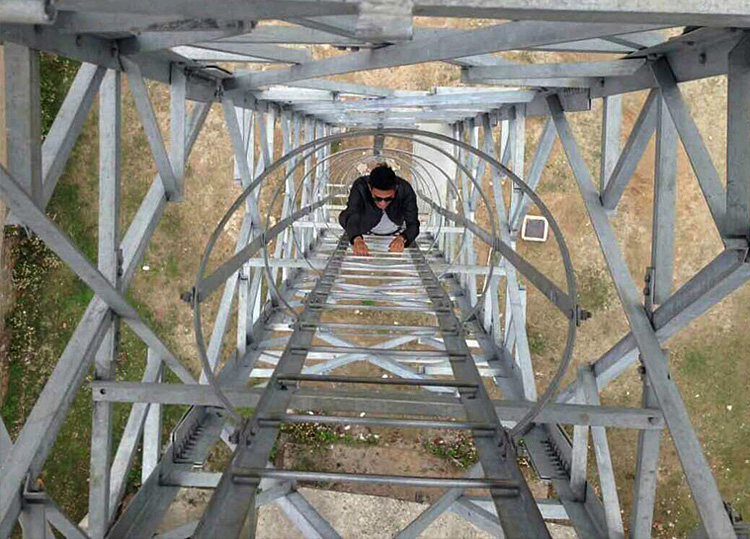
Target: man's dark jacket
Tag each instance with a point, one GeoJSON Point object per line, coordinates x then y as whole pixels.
{"type": "Point", "coordinates": [362, 215]}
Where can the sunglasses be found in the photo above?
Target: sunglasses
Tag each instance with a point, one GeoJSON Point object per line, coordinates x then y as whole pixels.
{"type": "Point", "coordinates": [382, 199]}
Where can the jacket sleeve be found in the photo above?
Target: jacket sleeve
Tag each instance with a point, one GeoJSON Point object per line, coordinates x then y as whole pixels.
{"type": "Point", "coordinates": [350, 218]}
{"type": "Point", "coordinates": [411, 216]}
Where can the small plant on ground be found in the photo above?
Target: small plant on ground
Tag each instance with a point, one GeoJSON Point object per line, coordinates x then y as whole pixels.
{"type": "Point", "coordinates": [595, 289]}
{"type": "Point", "coordinates": [459, 449]}
{"type": "Point", "coordinates": [319, 434]}
{"type": "Point", "coordinates": [537, 344]}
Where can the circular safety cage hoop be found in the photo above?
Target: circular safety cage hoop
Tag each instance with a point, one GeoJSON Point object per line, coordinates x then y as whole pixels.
{"type": "Point", "coordinates": [349, 164]}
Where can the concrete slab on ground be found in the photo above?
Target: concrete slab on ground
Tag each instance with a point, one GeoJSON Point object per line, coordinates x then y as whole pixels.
{"type": "Point", "coordinates": [352, 515]}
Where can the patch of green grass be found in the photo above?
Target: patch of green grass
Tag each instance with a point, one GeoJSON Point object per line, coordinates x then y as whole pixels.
{"type": "Point", "coordinates": [57, 74]}
{"type": "Point", "coordinates": [537, 342]}
{"type": "Point", "coordinates": [712, 375]}
{"type": "Point", "coordinates": [595, 290]}
{"type": "Point", "coordinates": [26, 326]}
{"type": "Point", "coordinates": [50, 301]}
{"type": "Point", "coordinates": [67, 211]}
{"type": "Point", "coordinates": [694, 363]}
{"type": "Point", "coordinates": [370, 302]}
{"type": "Point", "coordinates": [318, 434]}
{"type": "Point", "coordinates": [172, 267]}
{"type": "Point", "coordinates": [170, 222]}
{"type": "Point", "coordinates": [459, 450]}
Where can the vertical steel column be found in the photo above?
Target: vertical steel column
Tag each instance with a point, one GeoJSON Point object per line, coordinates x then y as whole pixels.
{"type": "Point", "coordinates": [611, 126]}
{"type": "Point", "coordinates": [109, 231]}
{"type": "Point", "coordinates": [603, 460]}
{"type": "Point", "coordinates": [646, 470]}
{"type": "Point", "coordinates": [580, 452]}
{"type": "Point", "coordinates": [738, 141]}
{"type": "Point", "coordinates": [267, 130]}
{"type": "Point", "coordinates": [451, 202]}
{"type": "Point", "coordinates": [473, 196]}
{"type": "Point", "coordinates": [283, 239]}
{"type": "Point", "coordinates": [515, 301]}
{"type": "Point", "coordinates": [377, 145]}
{"type": "Point", "coordinates": [33, 521]}
{"type": "Point", "coordinates": [515, 304]}
{"type": "Point", "coordinates": [245, 277]}
{"type": "Point", "coordinates": [130, 439]}
{"type": "Point", "coordinates": [152, 434]}
{"type": "Point", "coordinates": [516, 337]}
{"type": "Point", "coordinates": [518, 147]}
{"type": "Point", "coordinates": [492, 307]}
{"type": "Point", "coordinates": [244, 321]}
{"type": "Point", "coordinates": [290, 242]}
{"type": "Point", "coordinates": [506, 144]}
{"type": "Point", "coordinates": [265, 123]}
{"type": "Point", "coordinates": [23, 118]}
{"type": "Point", "coordinates": [327, 131]}
{"type": "Point", "coordinates": [308, 234]}
{"type": "Point", "coordinates": [665, 205]}
{"type": "Point", "coordinates": [317, 176]}
{"type": "Point", "coordinates": [251, 224]}
{"type": "Point", "coordinates": [247, 125]}
{"type": "Point", "coordinates": [464, 133]}
{"type": "Point", "coordinates": [178, 129]}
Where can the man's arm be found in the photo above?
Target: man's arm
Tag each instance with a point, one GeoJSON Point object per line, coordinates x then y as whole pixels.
{"type": "Point", "coordinates": [350, 217]}
{"type": "Point", "coordinates": [411, 217]}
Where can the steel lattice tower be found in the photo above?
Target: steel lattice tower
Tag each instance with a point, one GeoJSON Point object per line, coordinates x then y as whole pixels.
{"type": "Point", "coordinates": [289, 274]}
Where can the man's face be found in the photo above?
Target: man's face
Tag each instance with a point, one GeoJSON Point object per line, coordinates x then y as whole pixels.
{"type": "Point", "coordinates": [382, 197]}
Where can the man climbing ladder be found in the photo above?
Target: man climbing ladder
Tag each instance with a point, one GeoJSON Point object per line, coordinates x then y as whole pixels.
{"type": "Point", "coordinates": [381, 204]}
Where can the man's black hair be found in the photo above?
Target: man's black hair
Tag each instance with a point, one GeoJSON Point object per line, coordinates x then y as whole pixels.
{"type": "Point", "coordinates": [382, 177]}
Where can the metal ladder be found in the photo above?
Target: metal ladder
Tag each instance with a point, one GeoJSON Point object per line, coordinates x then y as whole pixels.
{"type": "Point", "coordinates": [411, 285]}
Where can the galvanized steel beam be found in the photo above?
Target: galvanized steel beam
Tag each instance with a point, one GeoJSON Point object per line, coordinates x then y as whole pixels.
{"type": "Point", "coordinates": [108, 237]}
{"type": "Point", "coordinates": [486, 40]}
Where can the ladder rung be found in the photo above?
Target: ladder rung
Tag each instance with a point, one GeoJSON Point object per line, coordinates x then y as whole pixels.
{"type": "Point", "coordinates": [376, 351]}
{"type": "Point", "coordinates": [356, 327]}
{"type": "Point", "coordinates": [371, 380]}
{"type": "Point", "coordinates": [254, 475]}
{"type": "Point", "coordinates": [379, 422]}
{"type": "Point", "coordinates": [364, 307]}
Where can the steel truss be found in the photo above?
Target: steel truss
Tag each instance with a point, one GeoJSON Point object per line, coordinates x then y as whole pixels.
{"type": "Point", "coordinates": [286, 276]}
